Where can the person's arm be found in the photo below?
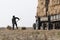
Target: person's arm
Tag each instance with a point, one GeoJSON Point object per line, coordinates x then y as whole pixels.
{"type": "Point", "coordinates": [17, 18]}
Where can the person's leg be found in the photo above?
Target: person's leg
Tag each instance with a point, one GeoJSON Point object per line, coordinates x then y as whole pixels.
{"type": "Point", "coordinates": [16, 26]}
{"type": "Point", "coordinates": [34, 27]}
{"type": "Point", "coordinates": [13, 26]}
{"type": "Point", "coordinates": [44, 28]}
{"type": "Point", "coordinates": [38, 27]}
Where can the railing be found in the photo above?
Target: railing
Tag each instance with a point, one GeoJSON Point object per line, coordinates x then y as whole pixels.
{"type": "Point", "coordinates": [53, 18]}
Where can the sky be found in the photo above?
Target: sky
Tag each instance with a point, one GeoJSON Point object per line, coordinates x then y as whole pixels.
{"type": "Point", "coordinates": [24, 9]}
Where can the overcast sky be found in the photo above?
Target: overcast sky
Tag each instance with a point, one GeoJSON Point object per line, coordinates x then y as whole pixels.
{"type": "Point", "coordinates": [24, 9]}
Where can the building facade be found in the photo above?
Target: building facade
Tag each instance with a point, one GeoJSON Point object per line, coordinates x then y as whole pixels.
{"type": "Point", "coordinates": [53, 7]}
{"type": "Point", "coordinates": [49, 10]}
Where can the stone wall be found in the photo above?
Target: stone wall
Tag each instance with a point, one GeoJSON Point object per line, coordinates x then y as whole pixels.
{"type": "Point", "coordinates": [53, 7]}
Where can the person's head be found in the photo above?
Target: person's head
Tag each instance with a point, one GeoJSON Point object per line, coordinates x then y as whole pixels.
{"type": "Point", "coordinates": [13, 16]}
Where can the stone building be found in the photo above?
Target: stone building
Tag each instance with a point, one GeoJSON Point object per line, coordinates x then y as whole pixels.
{"type": "Point", "coordinates": [49, 7]}
{"type": "Point", "coordinates": [53, 7]}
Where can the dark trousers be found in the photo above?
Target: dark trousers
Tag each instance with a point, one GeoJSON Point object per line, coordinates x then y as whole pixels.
{"type": "Point", "coordinates": [34, 28]}
{"type": "Point", "coordinates": [39, 27]}
{"type": "Point", "coordinates": [50, 26]}
{"type": "Point", "coordinates": [14, 25]}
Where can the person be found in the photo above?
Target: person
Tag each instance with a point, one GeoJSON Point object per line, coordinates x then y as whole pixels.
{"type": "Point", "coordinates": [39, 23]}
{"type": "Point", "coordinates": [14, 22]}
{"type": "Point", "coordinates": [36, 23]}
{"type": "Point", "coordinates": [44, 26]}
